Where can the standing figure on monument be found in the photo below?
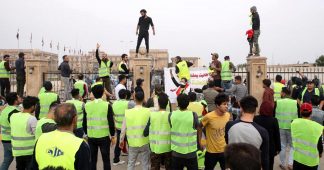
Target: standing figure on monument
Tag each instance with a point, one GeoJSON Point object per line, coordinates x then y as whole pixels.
{"type": "Point", "coordinates": [256, 30]}
{"type": "Point", "coordinates": [143, 26]}
{"type": "Point", "coordinates": [5, 69]}
{"type": "Point", "coordinates": [21, 74]}
{"type": "Point", "coordinates": [65, 77]}
{"type": "Point", "coordinates": [104, 69]}
{"type": "Point", "coordinates": [182, 68]}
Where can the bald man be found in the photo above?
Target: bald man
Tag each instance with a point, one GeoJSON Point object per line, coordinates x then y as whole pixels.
{"type": "Point", "coordinates": [51, 152]}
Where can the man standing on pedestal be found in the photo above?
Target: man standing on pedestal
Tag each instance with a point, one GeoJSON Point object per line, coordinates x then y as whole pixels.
{"type": "Point", "coordinates": [21, 74]}
{"type": "Point", "coordinates": [5, 69]}
{"type": "Point", "coordinates": [256, 29]}
{"type": "Point", "coordinates": [216, 67]}
{"type": "Point", "coordinates": [143, 26]}
{"type": "Point", "coordinates": [104, 69]}
{"type": "Point", "coordinates": [65, 77]}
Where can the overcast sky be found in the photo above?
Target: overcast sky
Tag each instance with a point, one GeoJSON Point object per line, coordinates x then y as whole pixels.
{"type": "Point", "coordinates": [291, 30]}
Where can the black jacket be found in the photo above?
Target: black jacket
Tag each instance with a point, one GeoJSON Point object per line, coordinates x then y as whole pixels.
{"type": "Point", "coordinates": [65, 69]}
{"type": "Point", "coordinates": [255, 21]}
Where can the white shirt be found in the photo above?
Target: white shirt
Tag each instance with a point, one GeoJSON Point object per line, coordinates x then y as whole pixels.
{"type": "Point", "coordinates": [117, 89]}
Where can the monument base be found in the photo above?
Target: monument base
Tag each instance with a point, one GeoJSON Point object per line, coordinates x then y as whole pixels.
{"type": "Point", "coordinates": [257, 68]}
{"type": "Point", "coordinates": [142, 69]}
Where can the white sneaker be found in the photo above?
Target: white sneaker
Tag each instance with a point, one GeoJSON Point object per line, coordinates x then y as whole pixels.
{"type": "Point", "coordinates": [119, 163]}
{"type": "Point", "coordinates": [137, 163]}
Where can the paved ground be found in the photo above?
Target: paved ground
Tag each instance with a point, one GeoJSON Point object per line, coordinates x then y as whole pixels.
{"type": "Point", "coordinates": [123, 167]}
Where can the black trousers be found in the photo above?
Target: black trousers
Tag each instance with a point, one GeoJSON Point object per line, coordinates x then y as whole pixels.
{"type": "Point", "coordinates": [142, 35]}
{"type": "Point", "coordinates": [117, 150]}
{"type": "Point", "coordinates": [218, 82]}
{"type": "Point", "coordinates": [104, 145]}
{"type": "Point", "coordinates": [180, 163]}
{"type": "Point", "coordinates": [24, 162]}
{"type": "Point", "coordinates": [5, 86]}
{"type": "Point", "coordinates": [299, 166]}
{"type": "Point", "coordinates": [21, 80]}
{"type": "Point", "coordinates": [211, 160]}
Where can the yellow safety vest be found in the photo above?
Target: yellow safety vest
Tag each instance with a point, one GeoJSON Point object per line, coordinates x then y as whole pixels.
{"type": "Point", "coordinates": [104, 69]}
{"type": "Point", "coordinates": [51, 151]}
{"type": "Point", "coordinates": [226, 73]}
{"type": "Point", "coordinates": [3, 72]}
{"type": "Point", "coordinates": [277, 88]}
{"type": "Point", "coordinates": [183, 70]}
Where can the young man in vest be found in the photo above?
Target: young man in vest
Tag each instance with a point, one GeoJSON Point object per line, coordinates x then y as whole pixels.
{"type": "Point", "coordinates": [106, 93]}
{"type": "Point", "coordinates": [46, 124]}
{"type": "Point", "coordinates": [133, 126]}
{"type": "Point", "coordinates": [13, 102]}
{"type": "Point", "coordinates": [79, 105]}
{"type": "Point", "coordinates": [60, 149]}
{"type": "Point", "coordinates": [119, 108]}
{"type": "Point", "coordinates": [82, 86]}
{"type": "Point", "coordinates": [307, 140]}
{"type": "Point", "coordinates": [23, 127]}
{"type": "Point", "coordinates": [306, 95]}
{"type": "Point", "coordinates": [184, 125]}
{"type": "Point", "coordinates": [182, 87]}
{"type": "Point", "coordinates": [277, 87]}
{"type": "Point", "coordinates": [158, 130]}
{"type": "Point", "coordinates": [45, 100]}
{"type": "Point", "coordinates": [104, 69]}
{"type": "Point", "coordinates": [123, 65]}
{"type": "Point", "coordinates": [195, 106]}
{"type": "Point", "coordinates": [216, 68]}
{"type": "Point", "coordinates": [182, 68]}
{"type": "Point", "coordinates": [5, 69]}
{"type": "Point", "coordinates": [286, 110]}
{"type": "Point", "coordinates": [100, 127]}
{"type": "Point", "coordinates": [215, 122]}
{"type": "Point", "coordinates": [245, 130]}
{"type": "Point", "coordinates": [226, 73]}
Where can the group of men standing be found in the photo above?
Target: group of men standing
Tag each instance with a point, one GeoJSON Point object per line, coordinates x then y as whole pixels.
{"type": "Point", "coordinates": [6, 68]}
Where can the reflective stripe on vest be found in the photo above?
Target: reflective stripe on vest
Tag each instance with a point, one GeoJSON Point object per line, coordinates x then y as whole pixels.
{"type": "Point", "coordinates": [305, 135]}
{"type": "Point", "coordinates": [277, 88]}
{"type": "Point", "coordinates": [120, 69]}
{"type": "Point", "coordinates": [97, 122]}
{"type": "Point", "coordinates": [226, 73]}
{"type": "Point", "coordinates": [50, 151]}
{"type": "Point", "coordinates": [79, 107]}
{"type": "Point", "coordinates": [22, 142]}
{"type": "Point", "coordinates": [136, 120]}
{"type": "Point", "coordinates": [5, 125]}
{"type": "Point", "coordinates": [183, 135]}
{"type": "Point", "coordinates": [119, 108]}
{"type": "Point", "coordinates": [160, 132]}
{"type": "Point", "coordinates": [317, 93]}
{"type": "Point", "coordinates": [40, 123]}
{"type": "Point", "coordinates": [3, 72]}
{"type": "Point", "coordinates": [80, 85]}
{"type": "Point", "coordinates": [286, 112]}
{"type": "Point", "coordinates": [104, 69]}
{"type": "Point", "coordinates": [45, 100]}
{"type": "Point", "coordinates": [183, 70]}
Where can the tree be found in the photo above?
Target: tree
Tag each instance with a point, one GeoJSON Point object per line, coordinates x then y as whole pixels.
{"type": "Point", "coordinates": [320, 61]}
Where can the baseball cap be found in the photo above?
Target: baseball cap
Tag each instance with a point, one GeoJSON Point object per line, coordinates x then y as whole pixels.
{"type": "Point", "coordinates": [306, 107]}
{"type": "Point", "coordinates": [214, 54]}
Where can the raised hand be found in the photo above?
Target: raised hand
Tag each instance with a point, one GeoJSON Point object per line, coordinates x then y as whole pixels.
{"type": "Point", "coordinates": [98, 45]}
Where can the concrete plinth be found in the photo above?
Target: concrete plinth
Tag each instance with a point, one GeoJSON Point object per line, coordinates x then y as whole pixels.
{"type": "Point", "coordinates": [34, 75]}
{"type": "Point", "coordinates": [257, 67]}
{"type": "Point", "coordinates": [142, 69]}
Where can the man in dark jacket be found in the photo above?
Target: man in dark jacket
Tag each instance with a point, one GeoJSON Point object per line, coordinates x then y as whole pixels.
{"type": "Point", "coordinates": [21, 74]}
{"type": "Point", "coordinates": [256, 29]}
{"type": "Point", "coordinates": [65, 77]}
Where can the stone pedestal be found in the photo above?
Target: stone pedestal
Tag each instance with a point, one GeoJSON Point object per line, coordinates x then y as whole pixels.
{"type": "Point", "coordinates": [142, 69]}
{"type": "Point", "coordinates": [257, 68]}
{"type": "Point", "coordinates": [34, 75]}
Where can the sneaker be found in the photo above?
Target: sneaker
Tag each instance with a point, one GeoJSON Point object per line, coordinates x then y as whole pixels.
{"type": "Point", "coordinates": [137, 163]}
{"type": "Point", "coordinates": [118, 163]}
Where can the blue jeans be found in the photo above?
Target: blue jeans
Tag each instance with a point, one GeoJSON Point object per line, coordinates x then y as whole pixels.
{"type": "Point", "coordinates": [226, 84]}
{"type": "Point", "coordinates": [285, 138]}
{"type": "Point", "coordinates": [7, 156]}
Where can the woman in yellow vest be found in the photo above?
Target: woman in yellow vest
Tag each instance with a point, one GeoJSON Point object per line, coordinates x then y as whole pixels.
{"type": "Point", "coordinates": [182, 68]}
{"type": "Point", "coordinates": [50, 150]}
{"type": "Point", "coordinates": [307, 140]}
